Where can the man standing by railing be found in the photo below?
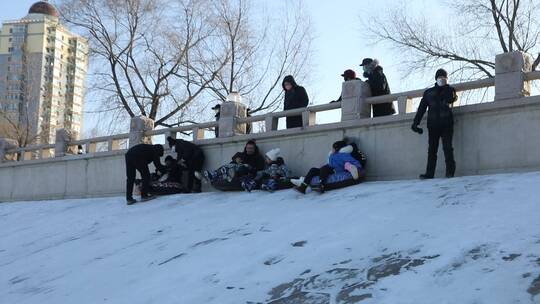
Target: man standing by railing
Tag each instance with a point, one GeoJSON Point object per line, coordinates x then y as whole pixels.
{"type": "Point", "coordinates": [440, 123]}
{"type": "Point", "coordinates": [378, 85]}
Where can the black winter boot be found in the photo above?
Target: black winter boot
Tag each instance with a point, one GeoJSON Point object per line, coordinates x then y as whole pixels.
{"type": "Point", "coordinates": [302, 188]}
{"type": "Point", "coordinates": [426, 176]}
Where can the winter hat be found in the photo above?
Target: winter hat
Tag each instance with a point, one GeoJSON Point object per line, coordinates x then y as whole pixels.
{"type": "Point", "coordinates": [238, 155]}
{"type": "Point", "coordinates": [366, 61]}
{"type": "Point", "coordinates": [338, 145]}
{"type": "Point", "coordinates": [273, 154]}
{"type": "Point", "coordinates": [441, 73]}
{"type": "Point", "coordinates": [349, 74]}
{"type": "Point", "coordinates": [169, 158]}
{"type": "Point", "coordinates": [289, 79]}
{"type": "Point", "coordinates": [171, 141]}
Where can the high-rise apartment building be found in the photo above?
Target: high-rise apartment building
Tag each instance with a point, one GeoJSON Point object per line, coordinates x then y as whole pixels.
{"type": "Point", "coordinates": [43, 67]}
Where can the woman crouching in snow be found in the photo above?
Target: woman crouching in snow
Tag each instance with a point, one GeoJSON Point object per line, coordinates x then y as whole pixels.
{"type": "Point", "coordinates": [339, 160]}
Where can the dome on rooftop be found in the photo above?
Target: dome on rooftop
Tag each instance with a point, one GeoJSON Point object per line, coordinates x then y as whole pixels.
{"type": "Point", "coordinates": [43, 7]}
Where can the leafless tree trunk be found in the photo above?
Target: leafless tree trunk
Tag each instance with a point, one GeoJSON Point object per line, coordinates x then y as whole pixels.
{"type": "Point", "coordinates": [478, 30]}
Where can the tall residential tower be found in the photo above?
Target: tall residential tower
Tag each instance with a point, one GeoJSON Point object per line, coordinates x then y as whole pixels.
{"type": "Point", "coordinates": [43, 67]}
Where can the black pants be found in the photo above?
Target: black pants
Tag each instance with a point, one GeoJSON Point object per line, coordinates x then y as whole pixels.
{"type": "Point", "coordinates": [446, 134]}
{"type": "Point", "coordinates": [195, 164]}
{"type": "Point", "coordinates": [383, 109]}
{"type": "Point", "coordinates": [323, 173]}
{"type": "Point", "coordinates": [133, 165]}
{"type": "Point", "coordinates": [294, 121]}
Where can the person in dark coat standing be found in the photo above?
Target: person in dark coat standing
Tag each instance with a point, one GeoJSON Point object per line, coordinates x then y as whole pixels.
{"type": "Point", "coordinates": [348, 75]}
{"type": "Point", "coordinates": [137, 159]}
{"type": "Point", "coordinates": [295, 97]}
{"type": "Point", "coordinates": [253, 157]}
{"type": "Point", "coordinates": [440, 123]}
{"type": "Point", "coordinates": [191, 157]}
{"type": "Point", "coordinates": [378, 85]}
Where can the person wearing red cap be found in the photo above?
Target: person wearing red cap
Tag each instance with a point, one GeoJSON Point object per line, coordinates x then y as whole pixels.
{"type": "Point", "coordinates": [348, 75]}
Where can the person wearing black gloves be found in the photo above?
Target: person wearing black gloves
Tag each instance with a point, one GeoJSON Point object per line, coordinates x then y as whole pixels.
{"type": "Point", "coordinates": [440, 123]}
{"type": "Point", "coordinates": [295, 97]}
{"type": "Point", "coordinates": [137, 159]}
{"type": "Point", "coordinates": [348, 75]}
{"type": "Point", "coordinates": [190, 157]}
{"type": "Point", "coordinates": [378, 85]}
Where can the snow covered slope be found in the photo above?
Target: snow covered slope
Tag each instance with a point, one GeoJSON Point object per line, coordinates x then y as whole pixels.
{"type": "Point", "coordinates": [465, 240]}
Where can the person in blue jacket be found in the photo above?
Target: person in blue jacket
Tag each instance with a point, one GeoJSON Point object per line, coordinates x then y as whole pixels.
{"type": "Point", "coordinates": [339, 160]}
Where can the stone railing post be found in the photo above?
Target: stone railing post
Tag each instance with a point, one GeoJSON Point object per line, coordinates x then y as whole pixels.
{"type": "Point", "coordinates": [61, 143]}
{"type": "Point", "coordinates": [353, 96]}
{"type": "Point", "coordinates": [308, 118]}
{"type": "Point", "coordinates": [231, 111]}
{"type": "Point", "coordinates": [509, 75]}
{"type": "Point", "coordinates": [138, 126]}
{"type": "Point", "coordinates": [270, 123]}
{"type": "Point", "coordinates": [404, 105]}
{"type": "Point", "coordinates": [198, 133]}
{"type": "Point", "coordinates": [5, 145]}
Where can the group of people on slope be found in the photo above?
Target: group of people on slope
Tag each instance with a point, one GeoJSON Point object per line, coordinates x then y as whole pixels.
{"type": "Point", "coordinates": [252, 170]}
{"type": "Point", "coordinates": [247, 170]}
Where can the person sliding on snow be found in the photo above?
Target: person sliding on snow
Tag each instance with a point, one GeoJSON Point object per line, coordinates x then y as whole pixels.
{"type": "Point", "coordinates": [269, 178]}
{"type": "Point", "coordinates": [339, 160]}
{"type": "Point", "coordinates": [137, 159]}
{"type": "Point", "coordinates": [227, 172]}
{"type": "Point", "coordinates": [440, 123]}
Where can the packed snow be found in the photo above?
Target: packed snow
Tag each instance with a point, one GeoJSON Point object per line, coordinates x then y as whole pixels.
{"type": "Point", "coordinates": [463, 240]}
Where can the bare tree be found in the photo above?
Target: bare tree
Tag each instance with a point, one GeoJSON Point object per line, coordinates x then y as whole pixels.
{"type": "Point", "coordinates": [17, 125]}
{"type": "Point", "coordinates": [479, 30]}
{"type": "Point", "coordinates": [261, 50]}
{"type": "Point", "coordinates": [141, 49]}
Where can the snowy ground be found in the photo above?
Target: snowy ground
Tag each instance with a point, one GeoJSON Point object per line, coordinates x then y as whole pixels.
{"type": "Point", "coordinates": [465, 240]}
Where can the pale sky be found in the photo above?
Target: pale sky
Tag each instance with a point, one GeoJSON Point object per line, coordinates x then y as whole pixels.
{"type": "Point", "coordinates": [338, 42]}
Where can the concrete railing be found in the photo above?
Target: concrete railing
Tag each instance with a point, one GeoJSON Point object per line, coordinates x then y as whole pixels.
{"type": "Point", "coordinates": [512, 80]}
{"type": "Point", "coordinates": [512, 84]}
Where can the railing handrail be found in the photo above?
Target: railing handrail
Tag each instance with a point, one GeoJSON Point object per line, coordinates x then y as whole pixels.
{"type": "Point", "coordinates": [464, 86]}
{"type": "Point", "coordinates": [31, 148]}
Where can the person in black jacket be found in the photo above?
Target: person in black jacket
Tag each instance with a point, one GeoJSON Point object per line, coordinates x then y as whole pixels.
{"type": "Point", "coordinates": [348, 75]}
{"type": "Point", "coordinates": [295, 97]}
{"type": "Point", "coordinates": [440, 123]}
{"type": "Point", "coordinates": [217, 111]}
{"type": "Point", "coordinates": [137, 159]}
{"type": "Point", "coordinates": [252, 156]}
{"type": "Point", "coordinates": [191, 157]}
{"type": "Point", "coordinates": [378, 85]}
